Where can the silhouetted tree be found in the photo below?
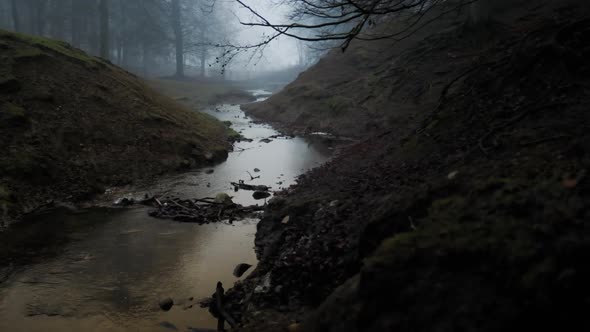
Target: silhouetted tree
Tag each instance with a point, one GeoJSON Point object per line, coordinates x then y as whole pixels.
{"type": "Point", "coordinates": [178, 38]}
{"type": "Point", "coordinates": [104, 29]}
{"type": "Point", "coordinates": [15, 17]}
{"type": "Point", "coordinates": [345, 20]}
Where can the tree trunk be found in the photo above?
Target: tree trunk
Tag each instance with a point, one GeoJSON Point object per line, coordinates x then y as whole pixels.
{"type": "Point", "coordinates": [104, 29]}
{"type": "Point", "coordinates": [204, 52]}
{"type": "Point", "coordinates": [179, 43]}
{"type": "Point", "coordinates": [93, 32]}
{"type": "Point", "coordinates": [75, 23]}
{"type": "Point", "coordinates": [40, 17]}
{"type": "Point", "coordinates": [57, 20]}
{"type": "Point", "coordinates": [15, 18]}
{"type": "Point", "coordinates": [145, 57]}
{"type": "Point", "coordinates": [203, 60]}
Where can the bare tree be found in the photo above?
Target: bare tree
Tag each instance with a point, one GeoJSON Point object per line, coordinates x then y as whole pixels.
{"type": "Point", "coordinates": [15, 17]}
{"type": "Point", "coordinates": [345, 20]}
{"type": "Point", "coordinates": [178, 37]}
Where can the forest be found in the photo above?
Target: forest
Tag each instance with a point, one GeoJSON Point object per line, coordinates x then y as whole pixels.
{"type": "Point", "coordinates": [145, 36]}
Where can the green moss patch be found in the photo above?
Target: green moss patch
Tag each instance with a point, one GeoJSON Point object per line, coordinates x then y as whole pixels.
{"type": "Point", "coordinates": [59, 47]}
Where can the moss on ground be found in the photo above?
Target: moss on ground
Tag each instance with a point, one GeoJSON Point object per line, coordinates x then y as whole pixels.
{"type": "Point", "coordinates": [72, 124]}
{"type": "Point", "coordinates": [59, 47]}
{"type": "Point", "coordinates": [12, 111]}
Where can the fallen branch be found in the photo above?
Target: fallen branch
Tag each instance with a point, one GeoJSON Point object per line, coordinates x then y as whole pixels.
{"type": "Point", "coordinates": [252, 178]}
{"type": "Point", "coordinates": [245, 186]}
{"type": "Point", "coordinates": [201, 211]}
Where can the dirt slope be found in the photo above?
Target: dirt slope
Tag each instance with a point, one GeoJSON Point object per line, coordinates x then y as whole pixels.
{"type": "Point", "coordinates": [371, 87]}
{"type": "Point", "coordinates": [472, 217]}
{"type": "Point", "coordinates": [72, 124]}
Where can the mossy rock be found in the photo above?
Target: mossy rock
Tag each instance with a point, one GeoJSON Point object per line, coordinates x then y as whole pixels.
{"type": "Point", "coordinates": [223, 198]}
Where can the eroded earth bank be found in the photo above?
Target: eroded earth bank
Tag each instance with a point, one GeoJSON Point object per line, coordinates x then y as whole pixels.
{"type": "Point", "coordinates": [466, 210]}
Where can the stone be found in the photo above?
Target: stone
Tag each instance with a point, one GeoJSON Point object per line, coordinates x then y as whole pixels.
{"type": "Point", "coordinates": [256, 170]}
{"type": "Point", "coordinates": [260, 194]}
{"type": "Point", "coordinates": [223, 198]}
{"type": "Point", "coordinates": [124, 201]}
{"type": "Point", "coordinates": [285, 220]}
{"type": "Point", "coordinates": [166, 304]}
{"type": "Point", "coordinates": [209, 171]}
{"type": "Point", "coordinates": [240, 269]}
{"type": "Point", "coordinates": [168, 325]}
{"type": "Point", "coordinates": [452, 175]}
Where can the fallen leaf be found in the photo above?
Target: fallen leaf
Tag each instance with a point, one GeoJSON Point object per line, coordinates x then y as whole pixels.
{"type": "Point", "coordinates": [285, 220]}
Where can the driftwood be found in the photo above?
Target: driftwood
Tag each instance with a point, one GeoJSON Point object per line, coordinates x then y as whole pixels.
{"type": "Point", "coordinates": [252, 178]}
{"type": "Point", "coordinates": [201, 211]}
{"type": "Point", "coordinates": [244, 186]}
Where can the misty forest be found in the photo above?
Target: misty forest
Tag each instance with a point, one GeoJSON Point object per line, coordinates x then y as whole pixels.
{"type": "Point", "coordinates": [294, 165]}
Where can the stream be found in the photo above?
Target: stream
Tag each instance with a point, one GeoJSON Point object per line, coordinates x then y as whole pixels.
{"type": "Point", "coordinates": [106, 269]}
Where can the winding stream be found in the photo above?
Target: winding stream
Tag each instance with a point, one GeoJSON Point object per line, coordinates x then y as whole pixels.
{"type": "Point", "coordinates": [113, 265]}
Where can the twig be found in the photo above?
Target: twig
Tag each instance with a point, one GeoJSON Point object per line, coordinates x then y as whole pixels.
{"type": "Point", "coordinates": [179, 205]}
{"type": "Point", "coordinates": [252, 178]}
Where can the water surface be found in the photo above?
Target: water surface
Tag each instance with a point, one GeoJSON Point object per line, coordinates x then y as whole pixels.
{"type": "Point", "coordinates": [112, 266]}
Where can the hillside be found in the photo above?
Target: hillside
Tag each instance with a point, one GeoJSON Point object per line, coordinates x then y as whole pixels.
{"type": "Point", "coordinates": [371, 87]}
{"type": "Point", "coordinates": [467, 210]}
{"type": "Point", "coordinates": [72, 125]}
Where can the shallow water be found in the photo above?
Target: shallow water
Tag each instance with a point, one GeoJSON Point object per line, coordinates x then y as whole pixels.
{"type": "Point", "coordinates": [112, 266]}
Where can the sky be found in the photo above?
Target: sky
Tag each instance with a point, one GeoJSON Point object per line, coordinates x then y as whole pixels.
{"type": "Point", "coordinates": [282, 52]}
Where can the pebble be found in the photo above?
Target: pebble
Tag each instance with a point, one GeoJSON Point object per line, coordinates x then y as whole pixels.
{"type": "Point", "coordinates": [166, 304]}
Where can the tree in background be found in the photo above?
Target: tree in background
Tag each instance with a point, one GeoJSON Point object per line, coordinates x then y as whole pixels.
{"type": "Point", "coordinates": [105, 50]}
{"type": "Point", "coordinates": [343, 21]}
{"type": "Point", "coordinates": [178, 38]}
{"type": "Point", "coordinates": [15, 16]}
{"type": "Point", "coordinates": [150, 37]}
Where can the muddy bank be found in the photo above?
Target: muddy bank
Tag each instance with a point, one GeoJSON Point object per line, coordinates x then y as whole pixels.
{"type": "Point", "coordinates": [474, 216]}
{"type": "Point", "coordinates": [72, 125]}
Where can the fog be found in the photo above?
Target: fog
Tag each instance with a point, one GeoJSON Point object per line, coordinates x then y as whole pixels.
{"type": "Point", "coordinates": [282, 52]}
{"type": "Point", "coordinates": [202, 38]}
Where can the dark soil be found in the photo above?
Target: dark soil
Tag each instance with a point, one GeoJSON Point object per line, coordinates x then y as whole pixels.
{"type": "Point", "coordinates": [72, 124]}
{"type": "Point", "coordinates": [471, 216]}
